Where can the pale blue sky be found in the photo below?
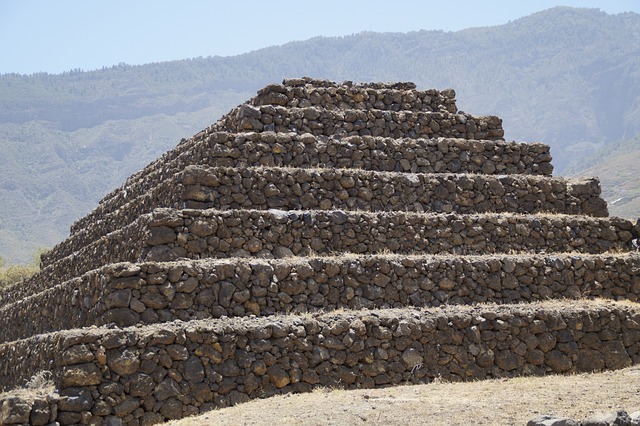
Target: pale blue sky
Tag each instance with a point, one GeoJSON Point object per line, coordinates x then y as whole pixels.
{"type": "Point", "coordinates": [59, 35]}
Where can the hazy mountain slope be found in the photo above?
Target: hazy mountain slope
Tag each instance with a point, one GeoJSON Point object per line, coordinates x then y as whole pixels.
{"type": "Point", "coordinates": [618, 167]}
{"type": "Point", "coordinates": [567, 77]}
{"type": "Point", "coordinates": [50, 177]}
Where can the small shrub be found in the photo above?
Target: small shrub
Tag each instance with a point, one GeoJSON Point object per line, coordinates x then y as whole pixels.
{"type": "Point", "coordinates": [13, 274]}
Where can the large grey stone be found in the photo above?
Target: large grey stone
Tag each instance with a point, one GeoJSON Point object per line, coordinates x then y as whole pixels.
{"type": "Point", "coordinates": [40, 412]}
{"type": "Point", "coordinates": [172, 409]}
{"type": "Point", "coordinates": [167, 389]}
{"type": "Point", "coordinates": [118, 299]}
{"type": "Point", "coordinates": [15, 411]}
{"type": "Point", "coordinates": [123, 317]}
{"type": "Point", "coordinates": [615, 355]}
{"type": "Point", "coordinates": [123, 362]}
{"type": "Point", "coordinates": [75, 399]}
{"type": "Point", "coordinates": [141, 385]}
{"type": "Point", "coordinates": [548, 420]}
{"type": "Point", "coordinates": [193, 370]}
{"type": "Point", "coordinates": [81, 375]}
{"type": "Point", "coordinates": [616, 418]}
{"type": "Point", "coordinates": [126, 407]}
{"type": "Point", "coordinates": [558, 361]}
{"type": "Point", "coordinates": [78, 354]}
{"type": "Point", "coordinates": [226, 293]}
{"type": "Point", "coordinates": [412, 358]}
{"type": "Point", "coordinates": [278, 376]}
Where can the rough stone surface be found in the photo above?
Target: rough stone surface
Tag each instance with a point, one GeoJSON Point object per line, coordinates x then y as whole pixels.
{"type": "Point", "coordinates": [322, 231]}
{"type": "Point", "coordinates": [548, 420]}
{"type": "Point", "coordinates": [40, 412]}
{"type": "Point", "coordinates": [238, 356]}
{"type": "Point", "coordinates": [619, 417]}
{"type": "Point", "coordinates": [14, 411]}
{"type": "Point", "coordinates": [204, 280]}
{"type": "Point", "coordinates": [248, 286]}
{"type": "Point", "coordinates": [281, 188]}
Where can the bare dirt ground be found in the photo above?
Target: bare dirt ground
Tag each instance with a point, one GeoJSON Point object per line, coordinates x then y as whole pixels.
{"type": "Point", "coordinates": [491, 402]}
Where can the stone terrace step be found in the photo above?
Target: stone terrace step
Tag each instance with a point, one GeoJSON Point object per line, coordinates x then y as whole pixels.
{"type": "Point", "coordinates": [133, 373]}
{"type": "Point", "coordinates": [152, 292]}
{"type": "Point", "coordinates": [214, 233]}
{"type": "Point", "coordinates": [439, 124]}
{"type": "Point", "coordinates": [293, 150]}
{"type": "Point", "coordinates": [354, 189]}
{"type": "Point", "coordinates": [395, 97]}
{"type": "Point", "coordinates": [324, 83]}
{"type": "Point", "coordinates": [351, 189]}
{"type": "Point", "coordinates": [356, 122]}
{"type": "Point", "coordinates": [169, 234]}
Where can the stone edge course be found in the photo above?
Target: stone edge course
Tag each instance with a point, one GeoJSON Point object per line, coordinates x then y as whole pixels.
{"type": "Point", "coordinates": [150, 374]}
{"type": "Point", "coordinates": [355, 122]}
{"type": "Point", "coordinates": [293, 150]}
{"type": "Point", "coordinates": [348, 189]}
{"type": "Point", "coordinates": [126, 293]}
{"type": "Point", "coordinates": [169, 234]}
{"type": "Point", "coordinates": [403, 96]}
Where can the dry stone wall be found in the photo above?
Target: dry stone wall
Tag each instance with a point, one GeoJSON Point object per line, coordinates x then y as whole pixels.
{"type": "Point", "coordinates": [269, 252]}
{"type": "Point", "coordinates": [359, 110]}
{"type": "Point", "coordinates": [305, 189]}
{"type": "Point", "coordinates": [213, 233]}
{"type": "Point", "coordinates": [35, 409]}
{"type": "Point", "coordinates": [368, 153]}
{"type": "Point", "coordinates": [169, 234]}
{"type": "Point", "coordinates": [328, 95]}
{"type": "Point", "coordinates": [148, 374]}
{"type": "Point", "coordinates": [325, 94]}
{"type": "Point", "coordinates": [199, 187]}
{"type": "Point", "coordinates": [362, 123]}
{"type": "Point", "coordinates": [127, 293]}
{"type": "Point", "coordinates": [491, 124]}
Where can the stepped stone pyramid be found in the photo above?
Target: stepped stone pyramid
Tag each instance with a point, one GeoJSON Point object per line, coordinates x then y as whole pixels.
{"type": "Point", "coordinates": [322, 234]}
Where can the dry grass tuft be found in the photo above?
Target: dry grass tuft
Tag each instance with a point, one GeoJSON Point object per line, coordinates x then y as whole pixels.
{"type": "Point", "coordinates": [42, 380]}
{"type": "Point", "coordinates": [39, 385]}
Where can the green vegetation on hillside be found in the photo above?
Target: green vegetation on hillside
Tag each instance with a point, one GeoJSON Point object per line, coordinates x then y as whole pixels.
{"type": "Point", "coordinates": [13, 274]}
{"type": "Point", "coordinates": [567, 77]}
{"type": "Point", "coordinates": [617, 166]}
{"type": "Point", "coordinates": [52, 177]}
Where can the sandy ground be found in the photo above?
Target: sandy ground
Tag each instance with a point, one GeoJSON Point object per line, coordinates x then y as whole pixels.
{"type": "Point", "coordinates": [492, 402]}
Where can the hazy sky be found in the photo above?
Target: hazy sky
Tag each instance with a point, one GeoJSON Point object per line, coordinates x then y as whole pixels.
{"type": "Point", "coordinates": [59, 35]}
